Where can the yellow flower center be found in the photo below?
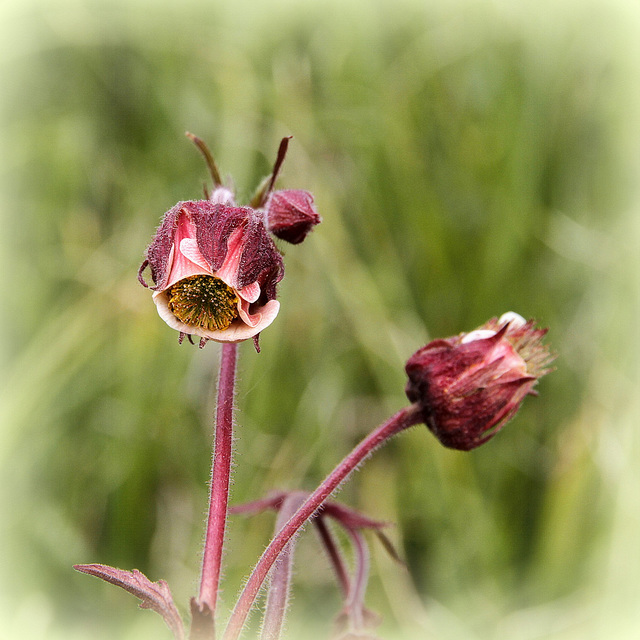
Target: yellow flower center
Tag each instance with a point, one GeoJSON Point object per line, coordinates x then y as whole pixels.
{"type": "Point", "coordinates": [203, 301]}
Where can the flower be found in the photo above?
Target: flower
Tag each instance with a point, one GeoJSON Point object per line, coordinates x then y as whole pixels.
{"type": "Point", "coordinates": [291, 215]}
{"type": "Point", "coordinates": [215, 270]}
{"type": "Point", "coordinates": [470, 385]}
{"type": "Point", "coordinates": [214, 266]}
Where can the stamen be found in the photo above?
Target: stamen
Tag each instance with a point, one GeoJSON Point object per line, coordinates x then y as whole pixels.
{"type": "Point", "coordinates": [203, 301]}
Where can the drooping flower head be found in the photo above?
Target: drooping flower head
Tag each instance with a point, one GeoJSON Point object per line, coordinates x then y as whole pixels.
{"type": "Point", "coordinates": [470, 385]}
{"type": "Point", "coordinates": [214, 265]}
{"type": "Point", "coordinates": [215, 270]}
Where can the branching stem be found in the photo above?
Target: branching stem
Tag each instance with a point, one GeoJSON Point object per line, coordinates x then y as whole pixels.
{"type": "Point", "coordinates": [399, 422]}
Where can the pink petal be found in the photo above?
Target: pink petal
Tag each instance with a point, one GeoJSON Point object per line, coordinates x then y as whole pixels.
{"type": "Point", "coordinates": [189, 249]}
{"type": "Point", "coordinates": [185, 258]}
{"type": "Point", "coordinates": [239, 331]}
{"type": "Point", "coordinates": [249, 319]}
{"type": "Point", "coordinates": [251, 292]}
{"type": "Point", "coordinates": [228, 272]}
{"type": "Point", "coordinates": [263, 318]}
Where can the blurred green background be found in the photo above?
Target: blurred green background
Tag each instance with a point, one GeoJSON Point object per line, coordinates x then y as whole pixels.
{"type": "Point", "coordinates": [468, 157]}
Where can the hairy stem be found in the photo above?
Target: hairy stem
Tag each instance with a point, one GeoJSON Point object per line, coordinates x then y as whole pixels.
{"type": "Point", "coordinates": [334, 553]}
{"type": "Point", "coordinates": [220, 475]}
{"type": "Point", "coordinates": [208, 158]}
{"type": "Point", "coordinates": [278, 595]}
{"type": "Point", "coordinates": [402, 420]}
{"type": "Point", "coordinates": [355, 599]}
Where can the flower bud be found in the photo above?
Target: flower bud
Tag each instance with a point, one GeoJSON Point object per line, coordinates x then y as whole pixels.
{"type": "Point", "coordinates": [470, 385]}
{"type": "Point", "coordinates": [215, 271]}
{"type": "Point", "coordinates": [291, 215]}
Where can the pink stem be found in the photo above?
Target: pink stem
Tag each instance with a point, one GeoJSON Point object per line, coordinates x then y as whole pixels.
{"type": "Point", "coordinates": [220, 474]}
{"type": "Point", "coordinates": [334, 555]}
{"type": "Point", "coordinates": [278, 595]}
{"type": "Point", "coordinates": [355, 600]}
{"type": "Point", "coordinates": [402, 420]}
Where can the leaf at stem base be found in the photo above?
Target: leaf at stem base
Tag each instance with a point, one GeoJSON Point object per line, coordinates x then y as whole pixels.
{"type": "Point", "coordinates": [154, 595]}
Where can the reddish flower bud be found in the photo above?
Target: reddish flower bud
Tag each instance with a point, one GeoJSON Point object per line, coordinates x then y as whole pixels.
{"type": "Point", "coordinates": [215, 270]}
{"type": "Point", "coordinates": [291, 215]}
{"type": "Point", "coordinates": [470, 385]}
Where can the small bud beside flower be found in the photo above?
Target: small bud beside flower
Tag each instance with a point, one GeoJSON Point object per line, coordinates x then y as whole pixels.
{"type": "Point", "coordinates": [470, 385]}
{"type": "Point", "coordinates": [291, 215]}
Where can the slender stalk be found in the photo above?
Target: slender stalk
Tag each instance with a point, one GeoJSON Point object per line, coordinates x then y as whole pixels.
{"type": "Point", "coordinates": [334, 554]}
{"type": "Point", "coordinates": [355, 600]}
{"type": "Point", "coordinates": [278, 595]}
{"type": "Point", "coordinates": [402, 420]}
{"type": "Point", "coordinates": [262, 194]}
{"type": "Point", "coordinates": [208, 158]}
{"type": "Point", "coordinates": [220, 474]}
{"type": "Point", "coordinates": [282, 152]}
